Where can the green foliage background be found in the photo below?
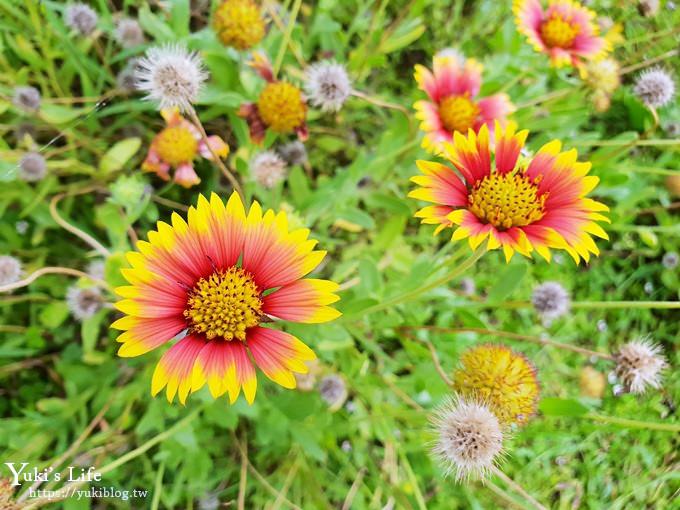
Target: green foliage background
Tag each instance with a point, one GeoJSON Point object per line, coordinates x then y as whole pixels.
{"type": "Point", "coordinates": [57, 373]}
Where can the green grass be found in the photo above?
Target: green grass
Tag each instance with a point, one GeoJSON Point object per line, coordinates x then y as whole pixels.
{"type": "Point", "coordinates": [56, 373]}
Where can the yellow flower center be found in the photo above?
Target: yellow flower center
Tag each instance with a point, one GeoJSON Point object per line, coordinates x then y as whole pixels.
{"type": "Point", "coordinates": [281, 107]}
{"type": "Point", "coordinates": [558, 32]}
{"type": "Point", "coordinates": [502, 379]}
{"type": "Point", "coordinates": [238, 23]}
{"type": "Point", "coordinates": [458, 113]}
{"type": "Point", "coordinates": [176, 145]}
{"type": "Point", "coordinates": [506, 200]}
{"type": "Point", "coordinates": [224, 305]}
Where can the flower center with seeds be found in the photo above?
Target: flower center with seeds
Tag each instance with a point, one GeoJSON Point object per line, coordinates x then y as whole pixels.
{"type": "Point", "coordinates": [224, 305]}
{"type": "Point", "coordinates": [281, 107]}
{"type": "Point", "coordinates": [558, 32]}
{"type": "Point", "coordinates": [238, 23]}
{"type": "Point", "coordinates": [176, 145]}
{"type": "Point", "coordinates": [506, 200]}
{"type": "Point", "coordinates": [458, 113]}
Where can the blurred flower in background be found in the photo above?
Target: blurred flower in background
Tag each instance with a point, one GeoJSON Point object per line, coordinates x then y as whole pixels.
{"type": "Point", "coordinates": [32, 167]}
{"type": "Point", "coordinates": [655, 87]}
{"type": "Point", "coordinates": [551, 300]}
{"type": "Point", "coordinates": [10, 269]}
{"type": "Point", "coordinates": [239, 23]}
{"type": "Point", "coordinates": [27, 98]}
{"type": "Point", "coordinates": [268, 168]}
{"type": "Point", "coordinates": [81, 18]}
{"type": "Point", "coordinates": [328, 85]}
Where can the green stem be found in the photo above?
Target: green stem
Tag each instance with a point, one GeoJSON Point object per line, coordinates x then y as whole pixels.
{"type": "Point", "coordinates": [286, 36]}
{"type": "Point", "coordinates": [456, 272]}
{"type": "Point", "coordinates": [619, 143]}
{"type": "Point", "coordinates": [624, 422]}
{"type": "Point", "coordinates": [662, 305]}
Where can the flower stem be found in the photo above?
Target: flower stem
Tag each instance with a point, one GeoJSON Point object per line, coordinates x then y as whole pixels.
{"type": "Point", "coordinates": [50, 270]}
{"type": "Point", "coordinates": [75, 230]}
{"type": "Point", "coordinates": [514, 336]}
{"type": "Point", "coordinates": [218, 161]}
{"type": "Point", "coordinates": [517, 488]}
{"type": "Point", "coordinates": [649, 62]}
{"type": "Point", "coordinates": [386, 104]}
{"type": "Point", "coordinates": [286, 36]}
{"type": "Point", "coordinates": [456, 272]}
{"type": "Point", "coordinates": [624, 422]}
{"type": "Point", "coordinates": [618, 143]}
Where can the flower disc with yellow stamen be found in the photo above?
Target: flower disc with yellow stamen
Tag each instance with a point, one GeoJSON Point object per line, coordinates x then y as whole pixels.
{"type": "Point", "coordinates": [281, 107]}
{"type": "Point", "coordinates": [458, 113]}
{"type": "Point", "coordinates": [239, 23]}
{"type": "Point", "coordinates": [176, 145]}
{"type": "Point", "coordinates": [218, 278]}
{"type": "Point", "coordinates": [504, 380]}
{"type": "Point", "coordinates": [517, 204]}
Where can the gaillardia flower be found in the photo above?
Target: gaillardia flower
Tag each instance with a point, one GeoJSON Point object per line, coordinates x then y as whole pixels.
{"type": "Point", "coordinates": [280, 106]}
{"type": "Point", "coordinates": [239, 23]}
{"type": "Point", "coordinates": [177, 146]}
{"type": "Point", "coordinates": [453, 106]}
{"type": "Point", "coordinates": [221, 279]}
{"type": "Point", "coordinates": [503, 379]}
{"type": "Point", "coordinates": [566, 31]}
{"type": "Point", "coordinates": [518, 204]}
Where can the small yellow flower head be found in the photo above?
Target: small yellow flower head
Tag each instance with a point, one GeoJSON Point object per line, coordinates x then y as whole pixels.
{"type": "Point", "coordinates": [281, 107]}
{"type": "Point", "coordinates": [603, 75]}
{"type": "Point", "coordinates": [176, 144]}
{"type": "Point", "coordinates": [505, 380]}
{"type": "Point", "coordinates": [592, 382]}
{"type": "Point", "coordinates": [239, 23]}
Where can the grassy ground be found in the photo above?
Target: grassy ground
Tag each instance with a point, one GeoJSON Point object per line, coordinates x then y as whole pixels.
{"type": "Point", "coordinates": [288, 449]}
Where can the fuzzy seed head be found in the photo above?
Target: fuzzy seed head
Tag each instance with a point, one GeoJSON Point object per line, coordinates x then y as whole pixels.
{"type": "Point", "coordinates": [293, 153]}
{"type": "Point", "coordinates": [32, 167]}
{"type": "Point", "coordinates": [328, 85]}
{"type": "Point", "coordinates": [648, 8]}
{"type": "Point", "coordinates": [84, 302]}
{"type": "Point", "coordinates": [551, 300]}
{"type": "Point", "coordinates": [239, 23]}
{"type": "Point", "coordinates": [27, 98]}
{"type": "Point", "coordinates": [129, 33]}
{"type": "Point", "coordinates": [670, 260]}
{"type": "Point", "coordinates": [96, 269]}
{"type": "Point", "coordinates": [469, 439]}
{"type": "Point", "coordinates": [282, 107]}
{"type": "Point", "coordinates": [592, 382]}
{"type": "Point", "coordinates": [672, 129]}
{"type": "Point", "coordinates": [81, 18]}
{"type": "Point", "coordinates": [655, 88]}
{"type": "Point", "coordinates": [503, 379]}
{"type": "Point", "coordinates": [333, 391]}
{"type": "Point", "coordinates": [268, 169]}
{"type": "Point", "coordinates": [171, 76]}
{"type": "Point", "coordinates": [639, 365]}
{"type": "Point", "coordinates": [10, 270]}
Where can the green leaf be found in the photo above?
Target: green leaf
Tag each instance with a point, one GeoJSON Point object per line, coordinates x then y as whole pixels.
{"type": "Point", "coordinates": [58, 114]}
{"type": "Point", "coordinates": [553, 406]}
{"type": "Point", "coordinates": [507, 282]}
{"type": "Point", "coordinates": [121, 152]}
{"type": "Point", "coordinates": [54, 314]}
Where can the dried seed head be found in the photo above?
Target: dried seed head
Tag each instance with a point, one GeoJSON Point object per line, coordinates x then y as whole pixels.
{"type": "Point", "coordinates": [551, 300]}
{"type": "Point", "coordinates": [84, 302]}
{"type": "Point", "coordinates": [27, 98]}
{"type": "Point", "coordinates": [268, 169]}
{"type": "Point", "coordinates": [639, 365]}
{"type": "Point", "coordinates": [32, 167]}
{"type": "Point", "coordinates": [328, 85]}
{"type": "Point", "coordinates": [655, 87]}
{"type": "Point", "coordinates": [469, 439]}
{"type": "Point", "coordinates": [10, 270]}
{"type": "Point", "coordinates": [81, 18]}
{"type": "Point", "coordinates": [171, 76]}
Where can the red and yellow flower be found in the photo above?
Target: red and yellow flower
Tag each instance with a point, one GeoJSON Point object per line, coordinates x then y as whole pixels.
{"type": "Point", "coordinates": [518, 204]}
{"type": "Point", "coordinates": [452, 88]}
{"type": "Point", "coordinates": [222, 279]}
{"type": "Point", "coordinates": [177, 146]}
{"type": "Point", "coordinates": [566, 31]}
{"type": "Point", "coordinates": [280, 106]}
